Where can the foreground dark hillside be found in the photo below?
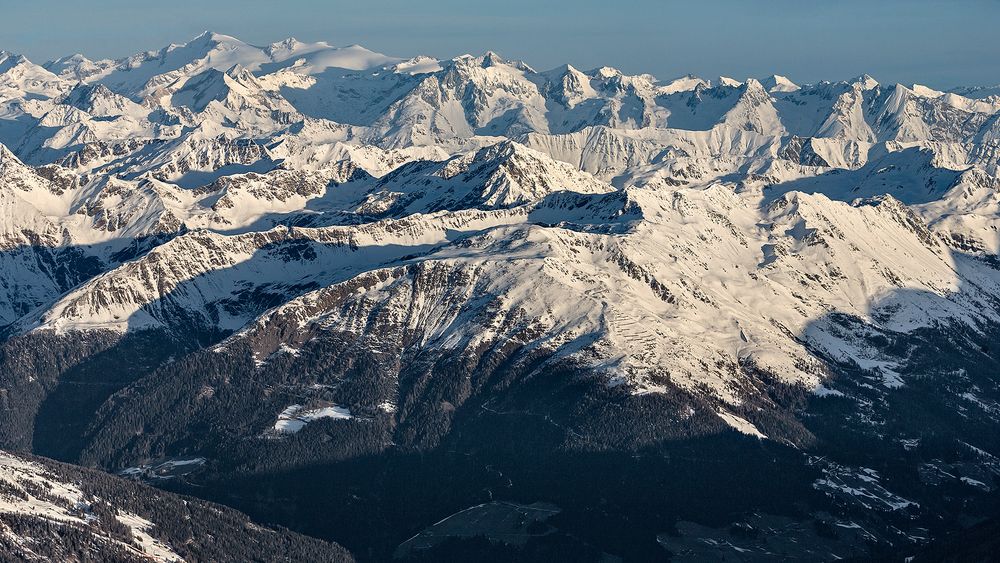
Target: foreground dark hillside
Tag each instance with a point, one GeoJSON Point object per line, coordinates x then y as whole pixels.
{"type": "Point", "coordinates": [52, 511]}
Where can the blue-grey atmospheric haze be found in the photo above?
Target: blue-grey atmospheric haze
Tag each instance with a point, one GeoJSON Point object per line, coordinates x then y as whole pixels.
{"type": "Point", "coordinates": [933, 42]}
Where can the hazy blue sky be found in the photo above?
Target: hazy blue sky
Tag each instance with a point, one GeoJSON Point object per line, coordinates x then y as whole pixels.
{"type": "Point", "coordinates": [940, 43]}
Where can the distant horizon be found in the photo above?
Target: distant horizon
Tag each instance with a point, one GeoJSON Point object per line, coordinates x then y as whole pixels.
{"type": "Point", "coordinates": [928, 42]}
{"type": "Point", "coordinates": [661, 79]}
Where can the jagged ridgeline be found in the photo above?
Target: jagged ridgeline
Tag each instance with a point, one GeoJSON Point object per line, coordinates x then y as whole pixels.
{"type": "Point", "coordinates": [354, 294]}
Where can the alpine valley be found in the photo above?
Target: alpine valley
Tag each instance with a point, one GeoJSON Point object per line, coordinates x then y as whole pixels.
{"type": "Point", "coordinates": [434, 310]}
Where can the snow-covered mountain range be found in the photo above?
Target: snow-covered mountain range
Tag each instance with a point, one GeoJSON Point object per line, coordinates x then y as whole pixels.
{"type": "Point", "coordinates": [718, 239]}
{"type": "Point", "coordinates": [651, 220]}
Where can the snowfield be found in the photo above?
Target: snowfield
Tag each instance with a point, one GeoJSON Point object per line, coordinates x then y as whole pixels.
{"type": "Point", "coordinates": [296, 417]}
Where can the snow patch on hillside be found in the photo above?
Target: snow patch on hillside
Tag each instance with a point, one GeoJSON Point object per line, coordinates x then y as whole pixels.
{"type": "Point", "coordinates": [296, 417]}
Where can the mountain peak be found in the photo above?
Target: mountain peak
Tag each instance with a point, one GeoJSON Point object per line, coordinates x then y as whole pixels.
{"type": "Point", "coordinates": [778, 83]}
{"type": "Point", "coordinates": [866, 82]}
{"type": "Point", "coordinates": [239, 72]}
{"type": "Point", "coordinates": [503, 175]}
{"type": "Point", "coordinates": [10, 60]}
{"type": "Point", "coordinates": [74, 59]}
{"type": "Point", "coordinates": [214, 37]}
{"type": "Point", "coordinates": [289, 43]}
{"type": "Point", "coordinates": [490, 58]}
{"type": "Point", "coordinates": [562, 70]}
{"type": "Point", "coordinates": [925, 92]}
{"type": "Point", "coordinates": [684, 83]}
{"type": "Point", "coordinates": [83, 96]}
{"type": "Point", "coordinates": [284, 47]}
